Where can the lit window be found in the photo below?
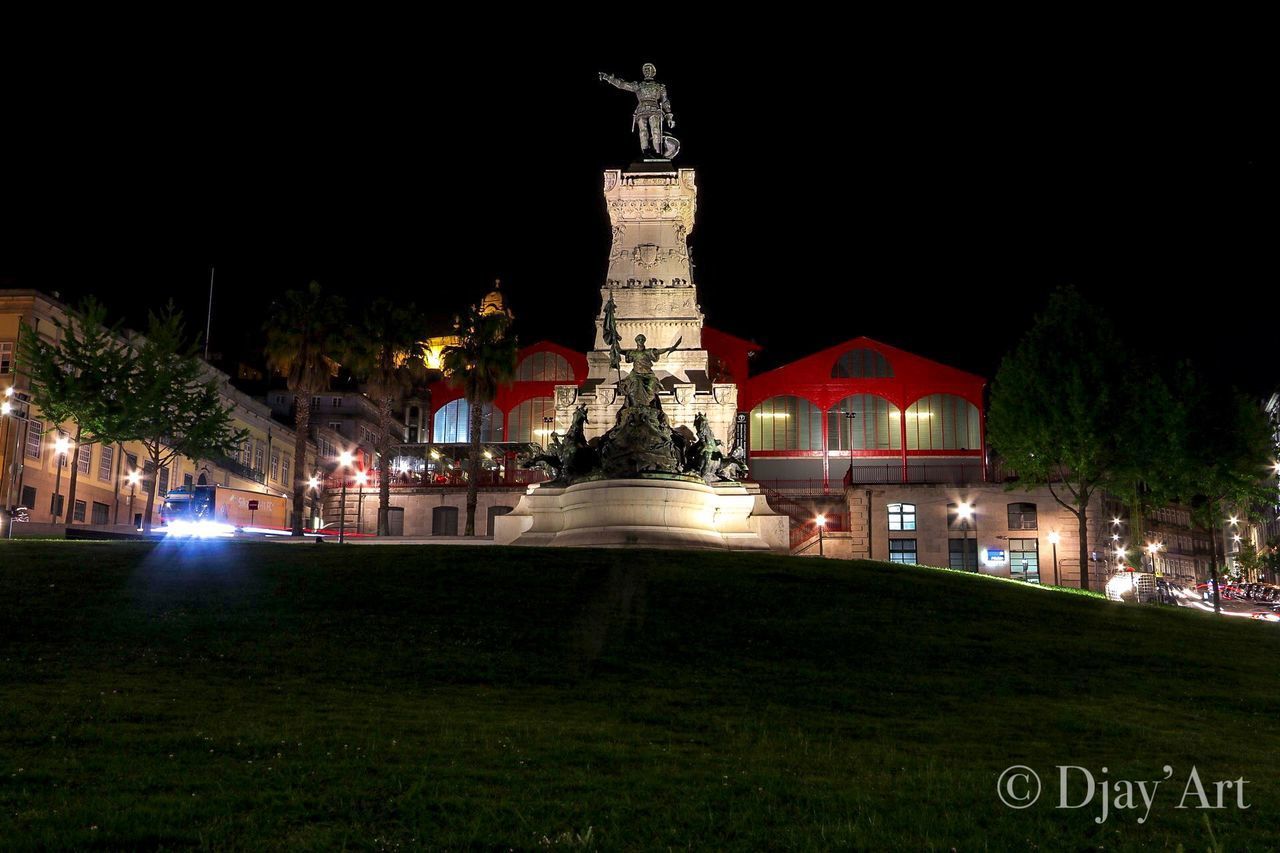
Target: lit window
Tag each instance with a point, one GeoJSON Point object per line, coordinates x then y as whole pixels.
{"type": "Point", "coordinates": [106, 458]}
{"type": "Point", "coordinates": [943, 422]}
{"type": "Point", "coordinates": [875, 425]}
{"type": "Point", "coordinates": [84, 458]}
{"type": "Point", "coordinates": [902, 516]}
{"type": "Point", "coordinates": [903, 551]}
{"type": "Point", "coordinates": [452, 423]}
{"type": "Point", "coordinates": [544, 367]}
{"type": "Point", "coordinates": [1022, 516]}
{"type": "Point", "coordinates": [6, 356]}
{"type": "Point", "coordinates": [35, 437]}
{"type": "Point", "coordinates": [526, 421]}
{"type": "Point", "coordinates": [786, 423]}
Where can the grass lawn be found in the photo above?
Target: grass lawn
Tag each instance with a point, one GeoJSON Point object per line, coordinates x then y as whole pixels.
{"type": "Point", "coordinates": [311, 697]}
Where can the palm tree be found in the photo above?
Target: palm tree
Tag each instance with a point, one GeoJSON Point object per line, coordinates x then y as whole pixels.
{"type": "Point", "coordinates": [387, 357]}
{"type": "Point", "coordinates": [303, 336]}
{"type": "Point", "coordinates": [483, 360]}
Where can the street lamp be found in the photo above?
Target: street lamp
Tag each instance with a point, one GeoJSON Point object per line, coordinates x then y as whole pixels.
{"type": "Point", "coordinates": [361, 478]}
{"type": "Point", "coordinates": [61, 446]}
{"type": "Point", "coordinates": [849, 416]}
{"type": "Point", "coordinates": [344, 461]}
{"type": "Point", "coordinates": [314, 485]}
{"type": "Point", "coordinates": [1152, 548]}
{"type": "Point", "coordinates": [821, 521]}
{"type": "Point", "coordinates": [966, 512]}
{"type": "Point", "coordinates": [135, 477]}
{"type": "Point", "coordinates": [1053, 540]}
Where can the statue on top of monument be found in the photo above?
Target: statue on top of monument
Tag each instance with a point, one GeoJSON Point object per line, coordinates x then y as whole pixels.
{"type": "Point", "coordinates": [652, 109]}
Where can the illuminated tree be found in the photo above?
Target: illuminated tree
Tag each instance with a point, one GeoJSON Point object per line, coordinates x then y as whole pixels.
{"type": "Point", "coordinates": [483, 361]}
{"type": "Point", "coordinates": [174, 407]}
{"type": "Point", "coordinates": [1062, 408]}
{"type": "Point", "coordinates": [79, 376]}
{"type": "Point", "coordinates": [304, 334]}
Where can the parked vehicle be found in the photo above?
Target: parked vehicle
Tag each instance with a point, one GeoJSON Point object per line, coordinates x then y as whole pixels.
{"type": "Point", "coordinates": [199, 510]}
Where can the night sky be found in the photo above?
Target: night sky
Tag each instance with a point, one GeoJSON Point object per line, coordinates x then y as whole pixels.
{"type": "Point", "coordinates": [929, 199]}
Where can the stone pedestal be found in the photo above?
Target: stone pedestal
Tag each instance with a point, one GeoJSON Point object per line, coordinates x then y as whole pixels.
{"type": "Point", "coordinates": [646, 513]}
{"type": "Point", "coordinates": [651, 209]}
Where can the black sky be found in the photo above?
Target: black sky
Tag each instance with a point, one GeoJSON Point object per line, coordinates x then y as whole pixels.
{"type": "Point", "coordinates": [928, 198]}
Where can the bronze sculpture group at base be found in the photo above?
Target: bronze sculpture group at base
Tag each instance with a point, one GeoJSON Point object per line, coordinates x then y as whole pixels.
{"type": "Point", "coordinates": [642, 442]}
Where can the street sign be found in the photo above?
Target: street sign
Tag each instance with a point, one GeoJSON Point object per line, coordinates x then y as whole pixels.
{"type": "Point", "coordinates": [253, 506]}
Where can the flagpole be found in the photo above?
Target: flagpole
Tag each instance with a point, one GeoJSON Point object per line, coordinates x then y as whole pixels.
{"type": "Point", "coordinates": [208, 323]}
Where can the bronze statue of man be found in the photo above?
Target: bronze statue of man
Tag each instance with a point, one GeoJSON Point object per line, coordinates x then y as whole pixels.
{"type": "Point", "coordinates": [652, 109]}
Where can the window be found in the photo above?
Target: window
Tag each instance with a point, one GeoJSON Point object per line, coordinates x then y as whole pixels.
{"type": "Point", "coordinates": [963, 554]}
{"type": "Point", "coordinates": [444, 521]}
{"type": "Point", "coordinates": [258, 453]}
{"type": "Point", "coordinates": [1024, 560]}
{"type": "Point", "coordinates": [55, 505]}
{"type": "Point", "coordinates": [246, 452]}
{"type": "Point", "coordinates": [78, 511]}
{"type": "Point", "coordinates": [336, 426]}
{"type": "Point", "coordinates": [902, 551]}
{"type": "Point", "coordinates": [29, 496]}
{"type": "Point", "coordinates": [453, 421]}
{"type": "Point", "coordinates": [526, 421]}
{"type": "Point", "coordinates": [275, 465]}
{"type": "Point", "coordinates": [6, 356]}
{"type": "Point", "coordinates": [943, 422]}
{"type": "Point", "coordinates": [902, 516]}
{"type": "Point", "coordinates": [131, 460]}
{"type": "Point", "coordinates": [1022, 516]}
{"type": "Point", "coordinates": [106, 458]}
{"type": "Point", "coordinates": [336, 402]}
{"type": "Point", "coordinates": [164, 481]}
{"type": "Point", "coordinates": [862, 364]}
{"type": "Point", "coordinates": [315, 403]}
{"type": "Point", "coordinates": [786, 423]}
{"type": "Point", "coordinates": [35, 437]}
{"type": "Point", "coordinates": [101, 513]}
{"type": "Point", "coordinates": [187, 479]}
{"type": "Point", "coordinates": [84, 458]}
{"type": "Point", "coordinates": [544, 367]}
{"type": "Point", "coordinates": [284, 470]}
{"type": "Point", "coordinates": [875, 425]}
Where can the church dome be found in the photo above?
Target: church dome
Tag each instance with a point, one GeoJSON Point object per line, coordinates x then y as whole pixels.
{"type": "Point", "coordinates": [492, 302]}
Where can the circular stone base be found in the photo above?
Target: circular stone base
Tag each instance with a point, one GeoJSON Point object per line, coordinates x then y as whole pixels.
{"type": "Point", "coordinates": [640, 512]}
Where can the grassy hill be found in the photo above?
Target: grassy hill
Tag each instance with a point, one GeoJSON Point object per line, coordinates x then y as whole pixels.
{"type": "Point", "coordinates": [260, 695]}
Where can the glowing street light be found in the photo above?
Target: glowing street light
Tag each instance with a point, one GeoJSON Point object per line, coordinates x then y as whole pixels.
{"type": "Point", "coordinates": [1152, 548]}
{"type": "Point", "coordinates": [61, 446]}
{"type": "Point", "coordinates": [134, 478]}
{"type": "Point", "coordinates": [965, 511]}
{"type": "Point", "coordinates": [1053, 540]}
{"type": "Point", "coordinates": [345, 458]}
{"type": "Point", "coordinates": [1233, 520]}
{"type": "Point", "coordinates": [362, 478]}
{"type": "Point", "coordinates": [821, 521]}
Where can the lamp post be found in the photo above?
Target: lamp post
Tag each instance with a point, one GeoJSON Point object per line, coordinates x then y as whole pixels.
{"type": "Point", "coordinates": [361, 478]}
{"type": "Point", "coordinates": [1053, 540]}
{"type": "Point", "coordinates": [60, 447]}
{"type": "Point", "coordinates": [821, 521]}
{"type": "Point", "coordinates": [344, 461]}
{"type": "Point", "coordinates": [966, 514]}
{"type": "Point", "coordinates": [848, 417]}
{"type": "Point", "coordinates": [314, 485]}
{"type": "Point", "coordinates": [135, 477]}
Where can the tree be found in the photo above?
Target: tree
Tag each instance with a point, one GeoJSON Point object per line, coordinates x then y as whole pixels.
{"type": "Point", "coordinates": [387, 357]}
{"type": "Point", "coordinates": [79, 377]}
{"type": "Point", "coordinates": [173, 410]}
{"type": "Point", "coordinates": [1060, 405]}
{"type": "Point", "coordinates": [303, 336]}
{"type": "Point", "coordinates": [1224, 457]}
{"type": "Point", "coordinates": [482, 361]}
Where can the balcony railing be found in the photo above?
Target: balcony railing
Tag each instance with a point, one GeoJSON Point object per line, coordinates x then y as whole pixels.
{"type": "Point", "coordinates": [235, 466]}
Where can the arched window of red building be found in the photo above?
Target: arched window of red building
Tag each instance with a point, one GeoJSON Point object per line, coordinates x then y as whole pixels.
{"type": "Point", "coordinates": [544, 367]}
{"type": "Point", "coordinates": [873, 427]}
{"type": "Point", "coordinates": [786, 423]}
{"type": "Point", "coordinates": [862, 363]}
{"type": "Point", "coordinates": [943, 422]}
{"type": "Point", "coordinates": [453, 423]}
{"type": "Point", "coordinates": [525, 422]}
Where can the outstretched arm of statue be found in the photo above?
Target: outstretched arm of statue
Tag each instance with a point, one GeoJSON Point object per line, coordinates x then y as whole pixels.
{"type": "Point", "coordinates": [621, 84]}
{"type": "Point", "coordinates": [671, 348]}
